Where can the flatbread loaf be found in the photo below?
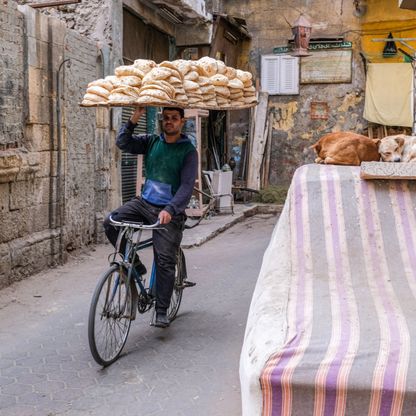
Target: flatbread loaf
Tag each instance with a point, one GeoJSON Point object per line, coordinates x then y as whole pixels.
{"type": "Point", "coordinates": [209, 65]}
{"type": "Point", "coordinates": [127, 90]}
{"type": "Point", "coordinates": [180, 90]}
{"type": "Point", "coordinates": [144, 65]}
{"type": "Point", "coordinates": [208, 89]}
{"type": "Point", "coordinates": [98, 91]}
{"type": "Point", "coordinates": [244, 75]}
{"type": "Point", "coordinates": [203, 81]}
{"type": "Point", "coordinates": [194, 100]}
{"type": "Point", "coordinates": [210, 103]}
{"type": "Point", "coordinates": [190, 85]}
{"type": "Point", "coordinates": [94, 98]}
{"type": "Point", "coordinates": [192, 76]}
{"type": "Point", "coordinates": [147, 99]}
{"type": "Point", "coordinates": [223, 91]}
{"type": "Point", "coordinates": [128, 70]}
{"type": "Point", "coordinates": [119, 97]}
{"type": "Point", "coordinates": [221, 67]}
{"type": "Point", "coordinates": [248, 83]}
{"type": "Point", "coordinates": [249, 89]}
{"type": "Point", "coordinates": [181, 97]}
{"type": "Point", "coordinates": [182, 66]}
{"type": "Point", "coordinates": [145, 90]}
{"type": "Point", "coordinates": [101, 83]}
{"type": "Point", "coordinates": [222, 100]}
{"type": "Point", "coordinates": [236, 95]}
{"type": "Point", "coordinates": [157, 74]}
{"type": "Point", "coordinates": [115, 81]}
{"type": "Point", "coordinates": [173, 68]}
{"type": "Point", "coordinates": [160, 95]}
{"type": "Point", "coordinates": [164, 85]}
{"type": "Point", "coordinates": [175, 81]}
{"type": "Point", "coordinates": [219, 79]}
{"type": "Point", "coordinates": [130, 80]}
{"type": "Point", "coordinates": [235, 83]}
{"type": "Point", "coordinates": [201, 71]}
{"type": "Point", "coordinates": [230, 72]}
{"type": "Point", "coordinates": [249, 100]}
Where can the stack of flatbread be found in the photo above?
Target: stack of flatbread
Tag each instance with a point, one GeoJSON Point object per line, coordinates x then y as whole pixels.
{"type": "Point", "coordinates": [98, 92]}
{"type": "Point", "coordinates": [205, 83]}
{"type": "Point", "coordinates": [249, 92]}
{"type": "Point", "coordinates": [160, 84]}
{"type": "Point", "coordinates": [128, 80]}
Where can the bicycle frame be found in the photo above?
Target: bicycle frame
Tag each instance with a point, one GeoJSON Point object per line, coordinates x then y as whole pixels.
{"type": "Point", "coordinates": [132, 232]}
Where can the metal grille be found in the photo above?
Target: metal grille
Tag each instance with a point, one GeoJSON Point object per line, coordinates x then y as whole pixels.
{"type": "Point", "coordinates": [128, 161]}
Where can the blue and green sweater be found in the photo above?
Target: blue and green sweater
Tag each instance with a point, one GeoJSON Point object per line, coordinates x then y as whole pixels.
{"type": "Point", "coordinates": [171, 168]}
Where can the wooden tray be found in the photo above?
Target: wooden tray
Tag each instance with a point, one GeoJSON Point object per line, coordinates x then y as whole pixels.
{"type": "Point", "coordinates": [170, 104]}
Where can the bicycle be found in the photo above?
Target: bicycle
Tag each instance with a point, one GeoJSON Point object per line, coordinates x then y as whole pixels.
{"type": "Point", "coordinates": [121, 292]}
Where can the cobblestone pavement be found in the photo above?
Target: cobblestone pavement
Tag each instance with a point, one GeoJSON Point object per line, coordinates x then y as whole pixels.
{"type": "Point", "coordinates": [188, 369]}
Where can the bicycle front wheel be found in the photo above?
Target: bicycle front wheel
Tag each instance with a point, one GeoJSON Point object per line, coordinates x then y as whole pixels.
{"type": "Point", "coordinates": [176, 298]}
{"type": "Point", "coordinates": [110, 316]}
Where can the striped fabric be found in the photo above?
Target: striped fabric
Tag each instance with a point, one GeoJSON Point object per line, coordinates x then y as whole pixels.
{"type": "Point", "coordinates": [350, 346]}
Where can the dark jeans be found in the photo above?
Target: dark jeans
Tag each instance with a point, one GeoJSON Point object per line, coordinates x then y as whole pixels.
{"type": "Point", "coordinates": [165, 243]}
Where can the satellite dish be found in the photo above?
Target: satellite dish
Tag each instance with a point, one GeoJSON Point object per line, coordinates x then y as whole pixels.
{"type": "Point", "coordinates": [360, 8]}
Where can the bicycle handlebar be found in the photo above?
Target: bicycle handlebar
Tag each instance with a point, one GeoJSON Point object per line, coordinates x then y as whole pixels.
{"type": "Point", "coordinates": [137, 225]}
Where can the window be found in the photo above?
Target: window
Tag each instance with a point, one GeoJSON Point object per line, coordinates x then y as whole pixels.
{"type": "Point", "coordinates": [280, 74]}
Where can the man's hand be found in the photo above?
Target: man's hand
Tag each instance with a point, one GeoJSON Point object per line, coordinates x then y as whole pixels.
{"type": "Point", "coordinates": [164, 217]}
{"type": "Point", "coordinates": [137, 114]}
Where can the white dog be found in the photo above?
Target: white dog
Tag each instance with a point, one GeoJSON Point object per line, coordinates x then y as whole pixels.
{"type": "Point", "coordinates": [398, 148]}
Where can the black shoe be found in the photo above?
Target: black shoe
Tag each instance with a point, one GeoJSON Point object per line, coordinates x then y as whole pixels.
{"type": "Point", "coordinates": [139, 267]}
{"type": "Point", "coordinates": [162, 320]}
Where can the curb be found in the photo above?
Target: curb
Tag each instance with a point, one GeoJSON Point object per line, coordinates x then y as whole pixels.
{"type": "Point", "coordinates": [251, 211]}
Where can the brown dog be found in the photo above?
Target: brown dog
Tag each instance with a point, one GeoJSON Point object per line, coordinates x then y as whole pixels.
{"type": "Point", "coordinates": [398, 148]}
{"type": "Point", "coordinates": [346, 148]}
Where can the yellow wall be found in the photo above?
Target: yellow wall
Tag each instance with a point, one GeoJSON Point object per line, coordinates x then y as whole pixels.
{"type": "Point", "coordinates": [382, 17]}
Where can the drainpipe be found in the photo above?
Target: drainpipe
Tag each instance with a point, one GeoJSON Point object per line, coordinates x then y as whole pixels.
{"type": "Point", "coordinates": [59, 186]}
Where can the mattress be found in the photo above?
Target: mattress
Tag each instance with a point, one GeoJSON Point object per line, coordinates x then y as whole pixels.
{"type": "Point", "coordinates": [331, 328]}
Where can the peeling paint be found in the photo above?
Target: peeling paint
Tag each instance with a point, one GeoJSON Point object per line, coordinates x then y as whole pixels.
{"type": "Point", "coordinates": [283, 116]}
{"type": "Point", "coordinates": [350, 101]}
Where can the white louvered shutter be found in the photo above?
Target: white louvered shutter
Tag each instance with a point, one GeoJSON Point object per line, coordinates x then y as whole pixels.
{"type": "Point", "coordinates": [270, 74]}
{"type": "Point", "coordinates": [289, 75]}
{"type": "Point", "coordinates": [280, 74]}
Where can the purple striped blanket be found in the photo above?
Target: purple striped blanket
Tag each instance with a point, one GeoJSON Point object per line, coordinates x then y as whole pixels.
{"type": "Point", "coordinates": [350, 344]}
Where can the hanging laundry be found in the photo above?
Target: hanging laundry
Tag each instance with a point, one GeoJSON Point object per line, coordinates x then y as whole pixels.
{"type": "Point", "coordinates": [389, 94]}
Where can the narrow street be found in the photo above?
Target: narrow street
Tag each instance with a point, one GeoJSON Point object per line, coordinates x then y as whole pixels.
{"type": "Point", "coordinates": [188, 369]}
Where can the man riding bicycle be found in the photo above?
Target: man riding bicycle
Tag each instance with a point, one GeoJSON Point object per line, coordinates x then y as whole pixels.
{"type": "Point", "coordinates": [171, 164]}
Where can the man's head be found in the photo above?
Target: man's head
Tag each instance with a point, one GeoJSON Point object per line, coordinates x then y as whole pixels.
{"type": "Point", "coordinates": [172, 122]}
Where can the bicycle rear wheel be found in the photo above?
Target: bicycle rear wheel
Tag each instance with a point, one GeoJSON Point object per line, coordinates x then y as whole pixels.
{"type": "Point", "coordinates": [110, 316]}
{"type": "Point", "coordinates": [176, 298]}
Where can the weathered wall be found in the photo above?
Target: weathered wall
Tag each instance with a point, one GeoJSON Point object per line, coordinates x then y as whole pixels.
{"type": "Point", "coordinates": [52, 196]}
{"type": "Point", "coordinates": [293, 129]}
{"type": "Point", "coordinates": [90, 19]}
{"type": "Point", "coordinates": [11, 77]}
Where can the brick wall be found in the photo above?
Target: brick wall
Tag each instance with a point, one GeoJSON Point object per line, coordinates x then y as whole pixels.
{"type": "Point", "coordinates": [52, 197]}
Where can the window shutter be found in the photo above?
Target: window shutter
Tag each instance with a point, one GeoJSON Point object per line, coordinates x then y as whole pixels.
{"type": "Point", "coordinates": [128, 161]}
{"type": "Point", "coordinates": [289, 75]}
{"type": "Point", "coordinates": [280, 74]}
{"type": "Point", "coordinates": [270, 74]}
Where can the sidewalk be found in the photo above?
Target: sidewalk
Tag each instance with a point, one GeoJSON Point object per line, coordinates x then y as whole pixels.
{"type": "Point", "coordinates": [209, 228]}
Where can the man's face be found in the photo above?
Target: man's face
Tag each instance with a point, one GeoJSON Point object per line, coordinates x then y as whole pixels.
{"type": "Point", "coordinates": [172, 122]}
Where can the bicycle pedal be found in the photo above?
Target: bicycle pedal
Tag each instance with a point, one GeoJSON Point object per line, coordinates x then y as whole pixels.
{"type": "Point", "coordinates": [187, 283]}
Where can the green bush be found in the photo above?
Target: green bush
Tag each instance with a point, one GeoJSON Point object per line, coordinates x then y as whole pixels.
{"type": "Point", "coordinates": [272, 195]}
